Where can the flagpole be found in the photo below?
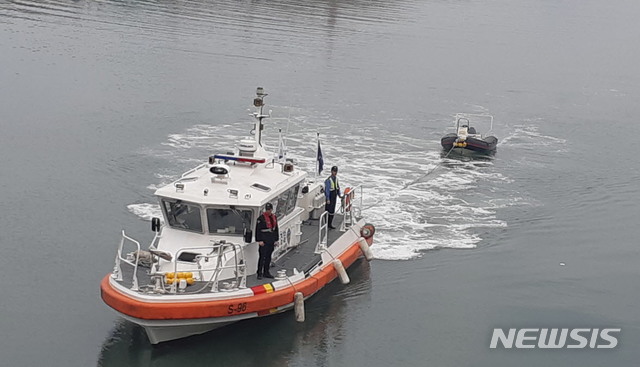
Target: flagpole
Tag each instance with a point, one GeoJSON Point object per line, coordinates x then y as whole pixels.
{"type": "Point", "coordinates": [319, 159]}
{"type": "Point", "coordinates": [281, 149]}
{"type": "Point", "coordinates": [317, 145]}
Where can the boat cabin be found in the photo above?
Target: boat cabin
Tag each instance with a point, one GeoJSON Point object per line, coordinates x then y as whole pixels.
{"type": "Point", "coordinates": [221, 201]}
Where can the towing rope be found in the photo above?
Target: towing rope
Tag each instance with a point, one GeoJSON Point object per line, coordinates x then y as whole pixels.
{"type": "Point", "coordinates": [414, 181]}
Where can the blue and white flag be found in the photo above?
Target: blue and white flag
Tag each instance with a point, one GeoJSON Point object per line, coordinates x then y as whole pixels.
{"type": "Point", "coordinates": [320, 159]}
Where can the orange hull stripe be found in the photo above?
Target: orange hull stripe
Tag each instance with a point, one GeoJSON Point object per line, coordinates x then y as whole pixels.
{"type": "Point", "coordinates": [265, 298]}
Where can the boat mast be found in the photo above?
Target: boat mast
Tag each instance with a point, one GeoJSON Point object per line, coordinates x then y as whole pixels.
{"type": "Point", "coordinates": [258, 102]}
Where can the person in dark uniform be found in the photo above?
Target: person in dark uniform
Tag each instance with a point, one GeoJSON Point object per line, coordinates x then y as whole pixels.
{"type": "Point", "coordinates": [267, 235]}
{"type": "Point", "coordinates": [332, 192]}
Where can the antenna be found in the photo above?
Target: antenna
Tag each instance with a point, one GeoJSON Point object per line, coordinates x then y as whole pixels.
{"type": "Point", "coordinates": [282, 148]}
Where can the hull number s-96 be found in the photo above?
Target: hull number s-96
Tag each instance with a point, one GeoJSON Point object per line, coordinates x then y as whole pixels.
{"type": "Point", "coordinates": [237, 308]}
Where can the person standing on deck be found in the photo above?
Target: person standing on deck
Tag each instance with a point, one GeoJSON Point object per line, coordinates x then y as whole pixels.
{"type": "Point", "coordinates": [332, 192]}
{"type": "Point", "coordinates": [267, 235]}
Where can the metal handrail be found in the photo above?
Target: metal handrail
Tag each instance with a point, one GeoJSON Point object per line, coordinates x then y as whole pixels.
{"type": "Point", "coordinates": [349, 208]}
{"type": "Point", "coordinates": [217, 250]}
{"type": "Point", "coordinates": [154, 244]}
{"type": "Point", "coordinates": [323, 232]}
{"type": "Point", "coordinates": [191, 171]}
{"type": "Point", "coordinates": [466, 116]}
{"type": "Point", "coordinates": [291, 216]}
{"type": "Point", "coordinates": [120, 259]}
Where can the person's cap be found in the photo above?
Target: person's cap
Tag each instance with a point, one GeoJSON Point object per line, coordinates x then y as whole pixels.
{"type": "Point", "coordinates": [334, 169]}
{"type": "Point", "coordinates": [268, 206]}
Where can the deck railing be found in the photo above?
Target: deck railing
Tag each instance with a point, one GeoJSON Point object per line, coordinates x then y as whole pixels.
{"type": "Point", "coordinates": [129, 254]}
{"type": "Point", "coordinates": [348, 207]}
{"type": "Point", "coordinates": [323, 232]}
{"type": "Point", "coordinates": [117, 269]}
{"type": "Point", "coordinates": [215, 256]}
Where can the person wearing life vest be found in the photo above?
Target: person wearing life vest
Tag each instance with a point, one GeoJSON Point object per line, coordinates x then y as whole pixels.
{"type": "Point", "coordinates": [267, 235]}
{"type": "Point", "coordinates": [331, 193]}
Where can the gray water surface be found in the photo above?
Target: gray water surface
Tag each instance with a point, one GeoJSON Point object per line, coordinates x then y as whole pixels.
{"type": "Point", "coordinates": [103, 101]}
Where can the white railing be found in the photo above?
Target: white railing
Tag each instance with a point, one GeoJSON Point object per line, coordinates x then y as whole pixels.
{"type": "Point", "coordinates": [351, 213]}
{"type": "Point", "coordinates": [468, 116]}
{"type": "Point", "coordinates": [213, 254]}
{"type": "Point", "coordinates": [323, 232]}
{"type": "Point", "coordinates": [349, 209]}
{"type": "Point", "coordinates": [117, 270]}
{"type": "Point", "coordinates": [184, 175]}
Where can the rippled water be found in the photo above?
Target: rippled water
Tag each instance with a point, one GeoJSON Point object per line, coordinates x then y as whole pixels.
{"type": "Point", "coordinates": [419, 200]}
{"type": "Point", "coordinates": [104, 101]}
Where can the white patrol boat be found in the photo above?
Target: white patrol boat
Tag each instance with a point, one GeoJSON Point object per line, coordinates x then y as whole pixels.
{"type": "Point", "coordinates": [199, 271]}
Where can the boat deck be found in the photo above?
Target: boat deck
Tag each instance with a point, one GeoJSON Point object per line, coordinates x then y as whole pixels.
{"type": "Point", "coordinates": [303, 258]}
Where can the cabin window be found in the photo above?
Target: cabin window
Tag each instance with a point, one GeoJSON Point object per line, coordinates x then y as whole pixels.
{"type": "Point", "coordinates": [228, 221]}
{"type": "Point", "coordinates": [183, 215]}
{"type": "Point", "coordinates": [287, 201]}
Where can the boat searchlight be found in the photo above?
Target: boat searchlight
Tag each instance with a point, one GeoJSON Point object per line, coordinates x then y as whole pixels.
{"type": "Point", "coordinates": [258, 102]}
{"type": "Point", "coordinates": [219, 169]}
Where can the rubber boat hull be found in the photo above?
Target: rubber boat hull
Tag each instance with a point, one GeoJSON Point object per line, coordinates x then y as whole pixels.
{"type": "Point", "coordinates": [164, 320]}
{"type": "Point", "coordinates": [486, 145]}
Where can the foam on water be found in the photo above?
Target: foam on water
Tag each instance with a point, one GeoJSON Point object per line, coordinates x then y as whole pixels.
{"type": "Point", "coordinates": [145, 211]}
{"type": "Point", "coordinates": [528, 136]}
{"type": "Point", "coordinates": [418, 200]}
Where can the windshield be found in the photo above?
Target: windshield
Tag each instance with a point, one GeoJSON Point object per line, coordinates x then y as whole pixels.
{"type": "Point", "coordinates": [228, 221]}
{"type": "Point", "coordinates": [183, 215]}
